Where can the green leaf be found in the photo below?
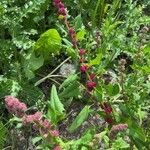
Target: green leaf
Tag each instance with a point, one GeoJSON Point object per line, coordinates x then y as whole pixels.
{"type": "Point", "coordinates": [30, 94]}
{"type": "Point", "coordinates": [48, 43]}
{"type": "Point", "coordinates": [120, 144]}
{"type": "Point", "coordinates": [81, 35]}
{"type": "Point", "coordinates": [68, 81]}
{"type": "Point", "coordinates": [82, 116]}
{"type": "Point", "coordinates": [147, 48]}
{"type": "Point", "coordinates": [97, 60]}
{"type": "Point", "coordinates": [72, 90]}
{"type": "Point", "coordinates": [9, 87]}
{"type": "Point", "coordinates": [56, 108]}
{"type": "Point", "coordinates": [36, 139]}
{"type": "Point", "coordinates": [78, 22]}
{"type": "Point", "coordinates": [31, 64]}
{"type": "Point", "coordinates": [3, 131]}
{"type": "Point", "coordinates": [112, 90]}
{"type": "Point", "coordinates": [99, 93]}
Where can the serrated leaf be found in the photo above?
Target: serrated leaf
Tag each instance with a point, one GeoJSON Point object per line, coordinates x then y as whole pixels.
{"type": "Point", "coordinates": [82, 116]}
{"type": "Point", "coordinates": [78, 22]}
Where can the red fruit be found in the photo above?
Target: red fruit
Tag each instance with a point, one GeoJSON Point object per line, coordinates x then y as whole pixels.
{"type": "Point", "coordinates": [91, 85]}
{"type": "Point", "coordinates": [107, 108]}
{"type": "Point", "coordinates": [82, 52]}
{"type": "Point", "coordinates": [62, 11]}
{"type": "Point", "coordinates": [84, 68]}
{"type": "Point", "coordinates": [109, 120]}
{"type": "Point", "coordinates": [61, 5]}
{"type": "Point", "coordinates": [56, 2]}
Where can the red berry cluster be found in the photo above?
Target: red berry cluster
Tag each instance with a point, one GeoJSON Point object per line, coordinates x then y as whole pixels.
{"type": "Point", "coordinates": [108, 111]}
{"type": "Point", "coordinates": [90, 84]}
{"type": "Point", "coordinates": [18, 108]}
{"type": "Point", "coordinates": [72, 35]}
{"type": "Point", "coordinates": [61, 8]}
{"type": "Point", "coordinates": [62, 11]}
{"type": "Point", "coordinates": [84, 68]}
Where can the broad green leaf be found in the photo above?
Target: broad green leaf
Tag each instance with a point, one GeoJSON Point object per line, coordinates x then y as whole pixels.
{"type": "Point", "coordinates": [82, 116]}
{"type": "Point", "coordinates": [112, 90]}
{"type": "Point", "coordinates": [69, 80]}
{"type": "Point", "coordinates": [78, 22]}
{"type": "Point", "coordinates": [119, 144]}
{"type": "Point", "coordinates": [71, 52]}
{"type": "Point", "coordinates": [48, 43]}
{"type": "Point", "coordinates": [147, 48]}
{"type": "Point", "coordinates": [56, 108]}
{"type": "Point", "coordinates": [71, 90]}
{"type": "Point", "coordinates": [81, 35]}
{"type": "Point", "coordinates": [31, 64]}
{"type": "Point", "coordinates": [97, 60]}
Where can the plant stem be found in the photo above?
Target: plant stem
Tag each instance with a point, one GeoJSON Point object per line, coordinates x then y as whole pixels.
{"type": "Point", "coordinates": [50, 75]}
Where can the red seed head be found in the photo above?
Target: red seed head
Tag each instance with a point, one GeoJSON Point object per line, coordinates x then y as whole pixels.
{"type": "Point", "coordinates": [55, 133]}
{"type": "Point", "coordinates": [84, 68]}
{"type": "Point", "coordinates": [107, 108]}
{"type": "Point", "coordinates": [62, 11]}
{"type": "Point", "coordinates": [91, 85]}
{"type": "Point", "coordinates": [82, 52]}
{"type": "Point", "coordinates": [57, 148]}
{"type": "Point", "coordinates": [109, 120]}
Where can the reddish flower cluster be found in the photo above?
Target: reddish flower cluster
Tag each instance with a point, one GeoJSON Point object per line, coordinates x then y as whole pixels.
{"type": "Point", "coordinates": [28, 119]}
{"type": "Point", "coordinates": [117, 128]}
{"type": "Point", "coordinates": [57, 148]}
{"type": "Point", "coordinates": [72, 35]}
{"type": "Point", "coordinates": [60, 6]}
{"type": "Point", "coordinates": [43, 126]}
{"type": "Point", "coordinates": [108, 111]}
{"type": "Point", "coordinates": [14, 106]}
{"type": "Point", "coordinates": [18, 108]}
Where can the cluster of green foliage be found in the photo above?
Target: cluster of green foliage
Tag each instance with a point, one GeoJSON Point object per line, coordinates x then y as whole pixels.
{"type": "Point", "coordinates": [33, 37]}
